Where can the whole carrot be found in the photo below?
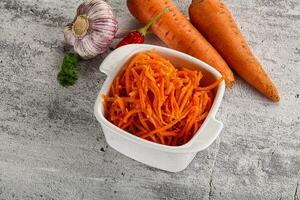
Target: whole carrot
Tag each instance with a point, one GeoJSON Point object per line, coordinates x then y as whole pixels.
{"type": "Point", "coordinates": [213, 19]}
{"type": "Point", "coordinates": [178, 33]}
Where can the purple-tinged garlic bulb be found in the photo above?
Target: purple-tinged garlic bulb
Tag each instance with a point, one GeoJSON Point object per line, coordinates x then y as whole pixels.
{"type": "Point", "coordinates": [92, 30]}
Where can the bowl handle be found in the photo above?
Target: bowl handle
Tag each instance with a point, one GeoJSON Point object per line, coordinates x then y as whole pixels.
{"type": "Point", "coordinates": [112, 61]}
{"type": "Point", "coordinates": [211, 130]}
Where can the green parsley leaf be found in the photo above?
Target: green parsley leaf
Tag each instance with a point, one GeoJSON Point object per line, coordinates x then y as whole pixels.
{"type": "Point", "coordinates": [68, 75]}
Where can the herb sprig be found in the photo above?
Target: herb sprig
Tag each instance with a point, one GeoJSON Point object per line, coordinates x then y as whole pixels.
{"type": "Point", "coordinates": [68, 74]}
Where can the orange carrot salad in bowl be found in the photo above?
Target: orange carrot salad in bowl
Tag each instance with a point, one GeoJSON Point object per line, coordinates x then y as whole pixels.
{"type": "Point", "coordinates": [158, 102]}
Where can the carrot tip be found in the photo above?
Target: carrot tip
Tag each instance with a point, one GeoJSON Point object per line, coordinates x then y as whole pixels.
{"type": "Point", "coordinates": [229, 83]}
{"type": "Point", "coordinates": [275, 97]}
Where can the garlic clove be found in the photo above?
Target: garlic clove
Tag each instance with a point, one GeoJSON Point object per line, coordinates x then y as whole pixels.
{"type": "Point", "coordinates": [69, 35]}
{"type": "Point", "coordinates": [100, 10]}
{"type": "Point", "coordinates": [85, 48]}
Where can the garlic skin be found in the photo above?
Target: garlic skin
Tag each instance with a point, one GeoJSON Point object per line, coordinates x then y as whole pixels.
{"type": "Point", "coordinates": [92, 29]}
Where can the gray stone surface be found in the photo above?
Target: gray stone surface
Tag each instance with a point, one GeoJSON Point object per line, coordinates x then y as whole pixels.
{"type": "Point", "coordinates": [52, 148]}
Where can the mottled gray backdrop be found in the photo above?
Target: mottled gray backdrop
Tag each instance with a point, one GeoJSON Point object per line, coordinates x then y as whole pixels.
{"type": "Point", "coordinates": [52, 148]}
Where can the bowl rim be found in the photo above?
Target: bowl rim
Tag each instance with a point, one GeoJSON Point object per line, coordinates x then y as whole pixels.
{"type": "Point", "coordinates": [128, 51]}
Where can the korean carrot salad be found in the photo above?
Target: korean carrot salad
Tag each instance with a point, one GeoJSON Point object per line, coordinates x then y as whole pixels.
{"type": "Point", "coordinates": [154, 100]}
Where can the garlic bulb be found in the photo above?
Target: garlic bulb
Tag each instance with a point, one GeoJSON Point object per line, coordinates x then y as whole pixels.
{"type": "Point", "coordinates": [92, 30]}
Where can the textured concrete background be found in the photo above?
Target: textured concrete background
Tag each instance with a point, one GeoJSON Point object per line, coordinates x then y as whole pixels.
{"type": "Point", "coordinates": [51, 146]}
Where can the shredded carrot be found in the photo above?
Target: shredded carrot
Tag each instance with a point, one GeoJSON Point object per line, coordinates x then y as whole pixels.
{"type": "Point", "coordinates": [158, 102]}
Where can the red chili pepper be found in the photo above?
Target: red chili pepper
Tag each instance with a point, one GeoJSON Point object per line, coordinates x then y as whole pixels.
{"type": "Point", "coordinates": [138, 36]}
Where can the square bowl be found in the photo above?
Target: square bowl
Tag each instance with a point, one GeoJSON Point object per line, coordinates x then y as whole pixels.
{"type": "Point", "coordinates": [169, 158]}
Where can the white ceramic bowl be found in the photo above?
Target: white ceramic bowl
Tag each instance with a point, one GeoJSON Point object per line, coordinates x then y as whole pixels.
{"type": "Point", "coordinates": [164, 157]}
